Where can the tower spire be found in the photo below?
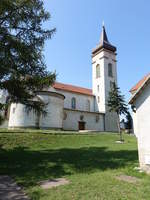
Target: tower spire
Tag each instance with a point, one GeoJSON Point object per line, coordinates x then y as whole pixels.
{"type": "Point", "coordinates": [104, 42]}
{"type": "Point", "coordinates": [103, 38]}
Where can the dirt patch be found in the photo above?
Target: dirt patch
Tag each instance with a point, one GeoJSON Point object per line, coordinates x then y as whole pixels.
{"type": "Point", "coordinates": [129, 179]}
{"type": "Point", "coordinates": [53, 183]}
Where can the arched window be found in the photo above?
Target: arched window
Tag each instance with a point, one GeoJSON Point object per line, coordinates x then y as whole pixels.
{"type": "Point", "coordinates": [88, 105]}
{"type": "Point", "coordinates": [97, 71]}
{"type": "Point", "coordinates": [73, 103]}
{"type": "Point", "coordinates": [110, 70]}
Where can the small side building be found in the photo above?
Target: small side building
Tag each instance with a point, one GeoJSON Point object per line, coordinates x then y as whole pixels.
{"type": "Point", "coordinates": [140, 102]}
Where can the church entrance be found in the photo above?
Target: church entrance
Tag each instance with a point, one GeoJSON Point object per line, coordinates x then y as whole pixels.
{"type": "Point", "coordinates": [81, 126]}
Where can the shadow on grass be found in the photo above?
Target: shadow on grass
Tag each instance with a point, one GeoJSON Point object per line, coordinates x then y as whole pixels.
{"type": "Point", "coordinates": [29, 167]}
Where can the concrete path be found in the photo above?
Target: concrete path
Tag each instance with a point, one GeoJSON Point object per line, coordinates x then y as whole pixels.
{"type": "Point", "coordinates": [9, 190]}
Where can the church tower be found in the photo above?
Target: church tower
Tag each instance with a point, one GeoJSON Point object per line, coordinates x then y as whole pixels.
{"type": "Point", "coordinates": [104, 75]}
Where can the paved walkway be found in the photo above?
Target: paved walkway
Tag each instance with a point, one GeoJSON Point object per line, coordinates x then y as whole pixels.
{"type": "Point", "coordinates": [9, 190]}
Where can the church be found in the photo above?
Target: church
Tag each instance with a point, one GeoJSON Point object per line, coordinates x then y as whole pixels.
{"type": "Point", "coordinates": [72, 107]}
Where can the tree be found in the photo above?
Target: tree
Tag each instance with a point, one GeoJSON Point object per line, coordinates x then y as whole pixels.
{"type": "Point", "coordinates": [116, 103]}
{"type": "Point", "coordinates": [129, 122]}
{"type": "Point", "coordinates": [22, 36]}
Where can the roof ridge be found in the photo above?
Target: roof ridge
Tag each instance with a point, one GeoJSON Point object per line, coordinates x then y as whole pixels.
{"type": "Point", "coordinates": [72, 85]}
{"type": "Point", "coordinates": [73, 88]}
{"type": "Point", "coordinates": [139, 83]}
{"type": "Point", "coordinates": [145, 80]}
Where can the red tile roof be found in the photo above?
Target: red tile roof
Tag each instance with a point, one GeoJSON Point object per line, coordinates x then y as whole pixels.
{"type": "Point", "coordinates": [139, 84]}
{"type": "Point", "coordinates": [72, 88]}
{"type": "Point", "coordinates": [138, 88]}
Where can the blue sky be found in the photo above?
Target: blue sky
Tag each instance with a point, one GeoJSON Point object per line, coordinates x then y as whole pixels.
{"type": "Point", "coordinates": [78, 24]}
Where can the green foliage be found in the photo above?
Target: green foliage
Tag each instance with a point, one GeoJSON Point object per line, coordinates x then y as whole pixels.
{"type": "Point", "coordinates": [2, 109]}
{"type": "Point", "coordinates": [116, 102]}
{"type": "Point", "coordinates": [1, 119]}
{"type": "Point", "coordinates": [129, 121]}
{"type": "Point", "coordinates": [22, 36]}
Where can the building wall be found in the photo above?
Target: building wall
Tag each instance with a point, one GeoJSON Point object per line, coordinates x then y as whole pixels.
{"type": "Point", "coordinates": [103, 58]}
{"type": "Point", "coordinates": [81, 100]}
{"type": "Point", "coordinates": [141, 122]}
{"type": "Point", "coordinates": [135, 123]}
{"type": "Point", "coordinates": [54, 109]}
{"type": "Point", "coordinates": [96, 60]}
{"type": "Point", "coordinates": [73, 117]}
{"type": "Point", "coordinates": [111, 122]}
{"type": "Point", "coordinates": [110, 118]}
{"type": "Point", "coordinates": [20, 118]}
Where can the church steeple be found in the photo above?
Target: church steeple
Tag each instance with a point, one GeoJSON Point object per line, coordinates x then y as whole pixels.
{"type": "Point", "coordinates": [103, 38]}
{"type": "Point", "coordinates": [104, 74]}
{"type": "Point", "coordinates": [104, 42]}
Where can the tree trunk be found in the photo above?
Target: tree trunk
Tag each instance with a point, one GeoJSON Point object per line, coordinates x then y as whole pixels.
{"type": "Point", "coordinates": [37, 123]}
{"type": "Point", "coordinates": [119, 131]}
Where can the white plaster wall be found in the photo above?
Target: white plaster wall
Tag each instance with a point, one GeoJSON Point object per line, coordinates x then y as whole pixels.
{"type": "Point", "coordinates": [135, 123]}
{"type": "Point", "coordinates": [111, 58]}
{"type": "Point", "coordinates": [110, 118]}
{"type": "Point", "coordinates": [142, 126]}
{"type": "Point", "coordinates": [53, 119]}
{"type": "Point", "coordinates": [142, 105]}
{"type": "Point", "coordinates": [73, 117]}
{"type": "Point", "coordinates": [98, 60]}
{"type": "Point", "coordinates": [81, 100]}
{"type": "Point", "coordinates": [54, 110]}
{"type": "Point", "coordinates": [20, 118]}
{"type": "Point", "coordinates": [103, 59]}
{"type": "Point", "coordinates": [111, 122]}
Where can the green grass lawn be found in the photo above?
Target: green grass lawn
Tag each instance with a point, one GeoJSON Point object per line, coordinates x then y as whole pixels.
{"type": "Point", "coordinates": [90, 162]}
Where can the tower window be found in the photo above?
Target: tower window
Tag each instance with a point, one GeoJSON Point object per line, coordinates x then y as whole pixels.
{"type": "Point", "coordinates": [73, 103]}
{"type": "Point", "coordinates": [98, 99]}
{"type": "Point", "coordinates": [97, 71]}
{"type": "Point", "coordinates": [110, 72]}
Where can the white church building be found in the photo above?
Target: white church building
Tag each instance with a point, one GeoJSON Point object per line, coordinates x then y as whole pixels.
{"type": "Point", "coordinates": [71, 107]}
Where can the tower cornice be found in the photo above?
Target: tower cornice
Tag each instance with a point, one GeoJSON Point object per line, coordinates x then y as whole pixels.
{"type": "Point", "coordinates": [96, 51]}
